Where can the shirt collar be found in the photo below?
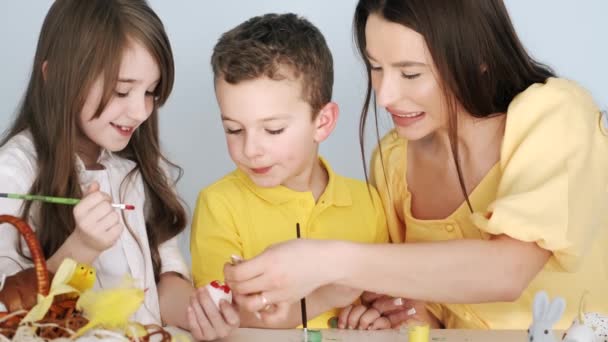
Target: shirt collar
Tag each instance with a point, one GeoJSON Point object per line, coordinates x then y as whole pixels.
{"type": "Point", "coordinates": [104, 158]}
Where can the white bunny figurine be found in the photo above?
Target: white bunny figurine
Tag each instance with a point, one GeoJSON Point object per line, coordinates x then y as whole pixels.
{"type": "Point", "coordinates": [588, 327]}
{"type": "Point", "coordinates": [545, 315]}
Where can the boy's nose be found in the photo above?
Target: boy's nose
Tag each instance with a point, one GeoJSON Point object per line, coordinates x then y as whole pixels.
{"type": "Point", "coordinates": [252, 148]}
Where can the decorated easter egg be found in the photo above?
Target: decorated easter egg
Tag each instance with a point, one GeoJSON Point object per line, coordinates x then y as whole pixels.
{"type": "Point", "coordinates": [218, 291]}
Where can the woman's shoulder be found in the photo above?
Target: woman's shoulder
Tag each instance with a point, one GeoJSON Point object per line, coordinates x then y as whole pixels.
{"type": "Point", "coordinates": [551, 98]}
{"type": "Point", "coordinates": [558, 107]}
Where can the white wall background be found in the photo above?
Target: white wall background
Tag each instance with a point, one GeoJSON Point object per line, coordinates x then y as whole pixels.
{"type": "Point", "coordinates": [569, 36]}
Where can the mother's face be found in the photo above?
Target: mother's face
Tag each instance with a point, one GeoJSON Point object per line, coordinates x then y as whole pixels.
{"type": "Point", "coordinates": [404, 78]}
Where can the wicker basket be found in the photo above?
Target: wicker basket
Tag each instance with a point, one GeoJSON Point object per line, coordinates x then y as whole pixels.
{"type": "Point", "coordinates": [62, 313]}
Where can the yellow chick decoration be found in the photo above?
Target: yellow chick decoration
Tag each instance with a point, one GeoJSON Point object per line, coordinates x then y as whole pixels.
{"type": "Point", "coordinates": [83, 277]}
{"type": "Point", "coordinates": [59, 286]}
{"type": "Point", "coordinates": [109, 308]}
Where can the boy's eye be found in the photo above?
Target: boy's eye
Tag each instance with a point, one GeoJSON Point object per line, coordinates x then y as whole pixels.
{"type": "Point", "coordinates": [233, 131]}
{"type": "Point", "coordinates": [276, 131]}
{"type": "Point", "coordinates": [410, 76]}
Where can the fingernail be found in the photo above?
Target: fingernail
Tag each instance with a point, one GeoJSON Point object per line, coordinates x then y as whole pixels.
{"type": "Point", "coordinates": [235, 259]}
{"type": "Point", "coordinates": [258, 316]}
{"type": "Point", "coordinates": [411, 311]}
{"type": "Point", "coordinates": [351, 327]}
{"type": "Point", "coordinates": [398, 301]}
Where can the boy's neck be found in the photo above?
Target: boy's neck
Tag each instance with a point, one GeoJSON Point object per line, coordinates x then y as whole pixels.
{"type": "Point", "coordinates": [313, 179]}
{"type": "Point", "coordinates": [319, 180]}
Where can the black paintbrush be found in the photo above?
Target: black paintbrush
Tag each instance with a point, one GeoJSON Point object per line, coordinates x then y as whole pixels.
{"type": "Point", "coordinates": [303, 300]}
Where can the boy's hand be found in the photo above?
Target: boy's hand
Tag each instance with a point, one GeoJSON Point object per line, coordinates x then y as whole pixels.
{"type": "Point", "coordinates": [98, 225]}
{"type": "Point", "coordinates": [207, 321]}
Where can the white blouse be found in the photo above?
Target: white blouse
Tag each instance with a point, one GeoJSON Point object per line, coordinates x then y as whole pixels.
{"type": "Point", "coordinates": [17, 172]}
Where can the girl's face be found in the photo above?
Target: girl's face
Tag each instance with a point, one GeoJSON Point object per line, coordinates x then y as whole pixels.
{"type": "Point", "coordinates": [131, 104]}
{"type": "Point", "coordinates": [403, 78]}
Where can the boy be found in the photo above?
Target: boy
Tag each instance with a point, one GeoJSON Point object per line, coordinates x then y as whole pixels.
{"type": "Point", "coordinates": [273, 82]}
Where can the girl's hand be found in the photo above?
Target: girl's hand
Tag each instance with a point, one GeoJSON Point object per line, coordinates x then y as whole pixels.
{"type": "Point", "coordinates": [284, 272]}
{"type": "Point", "coordinates": [208, 322]}
{"type": "Point", "coordinates": [98, 225]}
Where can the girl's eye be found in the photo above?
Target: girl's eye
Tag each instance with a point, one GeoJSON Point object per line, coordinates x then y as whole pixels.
{"type": "Point", "coordinates": [119, 94]}
{"type": "Point", "coordinates": [275, 132]}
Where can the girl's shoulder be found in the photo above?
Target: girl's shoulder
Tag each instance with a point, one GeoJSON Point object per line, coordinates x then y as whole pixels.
{"type": "Point", "coordinates": [18, 162]}
{"type": "Point", "coordinates": [19, 151]}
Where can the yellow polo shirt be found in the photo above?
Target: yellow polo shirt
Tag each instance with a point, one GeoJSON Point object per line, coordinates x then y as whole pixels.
{"type": "Point", "coordinates": [234, 216]}
{"type": "Point", "coordinates": [550, 186]}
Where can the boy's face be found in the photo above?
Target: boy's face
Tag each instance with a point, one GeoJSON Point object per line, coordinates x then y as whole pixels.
{"type": "Point", "coordinates": [270, 132]}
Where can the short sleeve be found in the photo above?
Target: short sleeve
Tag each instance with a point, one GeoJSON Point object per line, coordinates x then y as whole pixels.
{"type": "Point", "coordinates": [214, 238]}
{"type": "Point", "coordinates": [553, 161]}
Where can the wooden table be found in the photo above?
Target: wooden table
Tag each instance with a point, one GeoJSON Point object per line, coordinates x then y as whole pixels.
{"type": "Point", "coordinates": [333, 335]}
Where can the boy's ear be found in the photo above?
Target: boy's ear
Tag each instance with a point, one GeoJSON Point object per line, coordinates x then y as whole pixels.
{"type": "Point", "coordinates": [326, 121]}
{"type": "Point", "coordinates": [45, 65]}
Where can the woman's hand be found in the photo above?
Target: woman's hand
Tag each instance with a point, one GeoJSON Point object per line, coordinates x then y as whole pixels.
{"type": "Point", "coordinates": [284, 272]}
{"type": "Point", "coordinates": [400, 311]}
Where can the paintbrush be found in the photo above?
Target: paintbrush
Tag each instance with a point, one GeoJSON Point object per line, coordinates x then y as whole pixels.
{"type": "Point", "coordinates": [303, 300]}
{"type": "Point", "coordinates": [59, 200]}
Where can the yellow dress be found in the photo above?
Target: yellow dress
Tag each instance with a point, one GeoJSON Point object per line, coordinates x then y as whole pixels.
{"type": "Point", "coordinates": [550, 186]}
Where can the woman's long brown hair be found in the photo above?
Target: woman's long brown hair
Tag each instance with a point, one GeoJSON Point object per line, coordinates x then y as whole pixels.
{"type": "Point", "coordinates": [481, 63]}
{"type": "Point", "coordinates": [81, 41]}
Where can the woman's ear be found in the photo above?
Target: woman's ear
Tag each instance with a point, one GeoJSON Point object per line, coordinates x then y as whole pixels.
{"type": "Point", "coordinates": [326, 120]}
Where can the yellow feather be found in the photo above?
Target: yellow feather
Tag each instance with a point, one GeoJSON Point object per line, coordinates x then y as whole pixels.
{"type": "Point", "coordinates": [109, 308]}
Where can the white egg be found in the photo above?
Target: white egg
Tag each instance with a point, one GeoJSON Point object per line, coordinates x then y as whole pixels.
{"type": "Point", "coordinates": [218, 291]}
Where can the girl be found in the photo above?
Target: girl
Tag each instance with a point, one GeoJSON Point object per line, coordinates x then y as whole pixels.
{"type": "Point", "coordinates": [88, 128]}
{"type": "Point", "coordinates": [494, 176]}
